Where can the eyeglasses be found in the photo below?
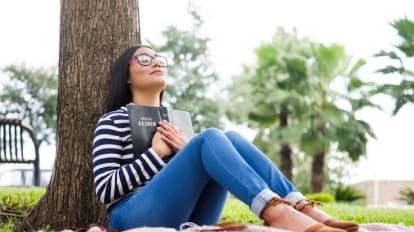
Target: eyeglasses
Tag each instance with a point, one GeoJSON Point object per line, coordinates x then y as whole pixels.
{"type": "Point", "coordinates": [146, 59]}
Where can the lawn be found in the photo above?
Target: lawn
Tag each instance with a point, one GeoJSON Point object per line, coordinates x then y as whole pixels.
{"type": "Point", "coordinates": [236, 210]}
{"type": "Point", "coordinates": [15, 203]}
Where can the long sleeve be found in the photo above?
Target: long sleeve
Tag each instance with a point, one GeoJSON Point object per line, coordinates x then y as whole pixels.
{"type": "Point", "coordinates": [112, 179]}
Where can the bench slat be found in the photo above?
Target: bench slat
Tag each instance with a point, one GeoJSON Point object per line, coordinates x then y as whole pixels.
{"type": "Point", "coordinates": [12, 145]}
{"type": "Point", "coordinates": [21, 143]}
{"type": "Point", "coordinates": [4, 142]}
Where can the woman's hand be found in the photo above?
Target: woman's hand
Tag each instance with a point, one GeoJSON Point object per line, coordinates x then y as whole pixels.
{"type": "Point", "coordinates": [160, 146]}
{"type": "Point", "coordinates": [172, 135]}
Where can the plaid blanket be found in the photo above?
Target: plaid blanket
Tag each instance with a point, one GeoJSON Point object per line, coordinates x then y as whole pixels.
{"type": "Point", "coordinates": [386, 227]}
{"type": "Point", "coordinates": [191, 227]}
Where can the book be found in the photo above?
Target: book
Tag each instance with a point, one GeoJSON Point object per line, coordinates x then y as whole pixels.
{"type": "Point", "coordinates": [143, 121]}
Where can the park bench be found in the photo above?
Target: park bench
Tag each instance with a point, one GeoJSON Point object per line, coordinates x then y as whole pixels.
{"type": "Point", "coordinates": [13, 137]}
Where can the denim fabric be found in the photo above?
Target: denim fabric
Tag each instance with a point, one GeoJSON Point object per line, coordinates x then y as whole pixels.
{"type": "Point", "coordinates": [194, 185]}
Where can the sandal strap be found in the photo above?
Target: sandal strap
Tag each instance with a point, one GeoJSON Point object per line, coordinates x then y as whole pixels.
{"type": "Point", "coordinates": [227, 226]}
{"type": "Point", "coordinates": [311, 203]}
{"type": "Point", "coordinates": [314, 228]}
{"type": "Point", "coordinates": [273, 202]}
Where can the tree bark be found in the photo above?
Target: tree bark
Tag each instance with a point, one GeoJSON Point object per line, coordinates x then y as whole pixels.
{"type": "Point", "coordinates": [92, 35]}
{"type": "Point", "coordinates": [318, 164]}
{"type": "Point", "coordinates": [286, 160]}
{"type": "Point", "coordinates": [285, 151]}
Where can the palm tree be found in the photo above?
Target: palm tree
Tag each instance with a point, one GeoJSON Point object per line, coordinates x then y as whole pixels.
{"type": "Point", "coordinates": [404, 91]}
{"type": "Point", "coordinates": [269, 96]}
{"type": "Point", "coordinates": [287, 96]}
{"type": "Point", "coordinates": [325, 122]}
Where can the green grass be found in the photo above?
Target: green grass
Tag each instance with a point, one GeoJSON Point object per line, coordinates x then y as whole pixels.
{"type": "Point", "coordinates": [363, 214]}
{"type": "Point", "coordinates": [7, 226]}
{"type": "Point", "coordinates": [20, 198]}
{"type": "Point", "coordinates": [17, 202]}
{"type": "Point", "coordinates": [235, 210]}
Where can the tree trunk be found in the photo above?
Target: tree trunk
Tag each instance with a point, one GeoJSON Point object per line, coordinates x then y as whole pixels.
{"type": "Point", "coordinates": [285, 151]}
{"type": "Point", "coordinates": [318, 163]}
{"type": "Point", "coordinates": [286, 160]}
{"type": "Point", "coordinates": [92, 35]}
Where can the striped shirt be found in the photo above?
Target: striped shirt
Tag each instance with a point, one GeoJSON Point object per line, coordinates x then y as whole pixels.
{"type": "Point", "coordinates": [115, 171]}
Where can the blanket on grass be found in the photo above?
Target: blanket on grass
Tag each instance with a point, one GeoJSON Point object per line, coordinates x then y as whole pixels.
{"type": "Point", "coordinates": [191, 227]}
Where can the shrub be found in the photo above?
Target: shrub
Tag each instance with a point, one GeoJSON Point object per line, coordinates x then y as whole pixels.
{"type": "Point", "coordinates": [407, 195]}
{"type": "Point", "coordinates": [348, 194]}
{"type": "Point", "coordinates": [15, 203]}
{"type": "Point", "coordinates": [321, 197]}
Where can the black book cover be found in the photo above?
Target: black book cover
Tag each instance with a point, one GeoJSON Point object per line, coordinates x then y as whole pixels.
{"type": "Point", "coordinates": [144, 120]}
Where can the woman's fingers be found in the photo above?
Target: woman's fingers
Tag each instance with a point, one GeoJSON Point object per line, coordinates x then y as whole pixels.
{"type": "Point", "coordinates": [170, 142]}
{"type": "Point", "coordinates": [173, 133]}
{"type": "Point", "coordinates": [166, 132]}
{"type": "Point", "coordinates": [168, 126]}
{"type": "Point", "coordinates": [171, 128]}
{"type": "Point", "coordinates": [170, 135]}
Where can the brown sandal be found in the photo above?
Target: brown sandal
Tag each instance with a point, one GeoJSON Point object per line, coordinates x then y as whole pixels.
{"type": "Point", "coordinates": [344, 225]}
{"type": "Point", "coordinates": [227, 226]}
{"type": "Point", "coordinates": [319, 227]}
{"type": "Point", "coordinates": [310, 203]}
{"type": "Point", "coordinates": [273, 202]}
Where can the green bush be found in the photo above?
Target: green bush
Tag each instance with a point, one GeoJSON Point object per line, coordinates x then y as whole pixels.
{"type": "Point", "coordinates": [15, 203]}
{"type": "Point", "coordinates": [407, 195]}
{"type": "Point", "coordinates": [348, 194]}
{"type": "Point", "coordinates": [20, 198]}
{"type": "Point", "coordinates": [321, 197]}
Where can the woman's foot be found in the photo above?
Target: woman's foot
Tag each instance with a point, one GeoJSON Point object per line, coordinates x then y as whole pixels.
{"type": "Point", "coordinates": [279, 213]}
{"type": "Point", "coordinates": [308, 207]}
{"type": "Point", "coordinates": [345, 225]}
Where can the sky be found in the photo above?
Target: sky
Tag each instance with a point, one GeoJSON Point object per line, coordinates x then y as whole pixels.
{"type": "Point", "coordinates": [30, 34]}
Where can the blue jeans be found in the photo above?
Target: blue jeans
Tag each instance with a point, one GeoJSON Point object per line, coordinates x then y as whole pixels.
{"type": "Point", "coordinates": [193, 186]}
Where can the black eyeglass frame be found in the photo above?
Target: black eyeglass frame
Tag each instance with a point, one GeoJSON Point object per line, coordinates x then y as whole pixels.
{"type": "Point", "coordinates": [156, 56]}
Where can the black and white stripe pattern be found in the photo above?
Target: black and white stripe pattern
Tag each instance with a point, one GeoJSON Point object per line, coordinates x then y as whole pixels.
{"type": "Point", "coordinates": [116, 173]}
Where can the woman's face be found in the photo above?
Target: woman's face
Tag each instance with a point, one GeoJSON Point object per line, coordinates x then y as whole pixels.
{"type": "Point", "coordinates": [150, 77]}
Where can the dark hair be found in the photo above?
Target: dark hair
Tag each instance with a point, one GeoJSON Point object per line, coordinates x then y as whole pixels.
{"type": "Point", "coordinates": [119, 93]}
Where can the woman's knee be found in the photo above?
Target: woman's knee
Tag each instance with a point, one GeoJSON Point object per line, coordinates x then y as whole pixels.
{"type": "Point", "coordinates": [232, 135]}
{"type": "Point", "coordinates": [212, 131]}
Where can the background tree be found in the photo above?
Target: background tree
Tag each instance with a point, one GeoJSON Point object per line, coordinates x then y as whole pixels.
{"type": "Point", "coordinates": [269, 95]}
{"type": "Point", "coordinates": [398, 58]}
{"type": "Point", "coordinates": [326, 123]}
{"type": "Point", "coordinates": [287, 94]}
{"type": "Point", "coordinates": [30, 94]}
{"type": "Point", "coordinates": [190, 74]}
{"type": "Point", "coordinates": [92, 36]}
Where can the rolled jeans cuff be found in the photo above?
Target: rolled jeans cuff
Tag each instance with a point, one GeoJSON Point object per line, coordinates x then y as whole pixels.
{"type": "Point", "coordinates": [261, 199]}
{"type": "Point", "coordinates": [294, 197]}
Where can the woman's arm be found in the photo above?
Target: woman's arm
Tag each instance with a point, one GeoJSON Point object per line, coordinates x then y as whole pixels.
{"type": "Point", "coordinates": [111, 179]}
